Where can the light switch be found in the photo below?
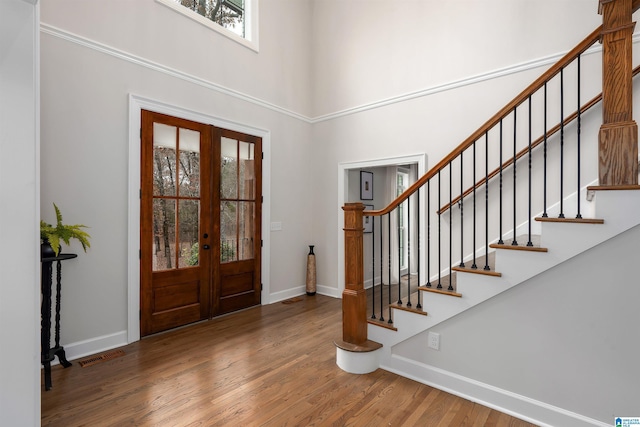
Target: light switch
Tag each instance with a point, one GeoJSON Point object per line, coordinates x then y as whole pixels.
{"type": "Point", "coordinates": [276, 226]}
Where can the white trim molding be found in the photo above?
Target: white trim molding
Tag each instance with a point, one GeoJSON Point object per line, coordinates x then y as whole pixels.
{"type": "Point", "coordinates": [154, 66]}
{"type": "Point", "coordinates": [136, 104]}
{"type": "Point", "coordinates": [454, 84]}
{"type": "Point", "coordinates": [80, 349]}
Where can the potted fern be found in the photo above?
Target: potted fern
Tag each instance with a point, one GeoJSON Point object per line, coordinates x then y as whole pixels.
{"type": "Point", "coordinates": [51, 237]}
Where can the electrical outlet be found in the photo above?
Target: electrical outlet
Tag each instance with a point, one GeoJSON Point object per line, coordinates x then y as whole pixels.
{"type": "Point", "coordinates": [434, 340]}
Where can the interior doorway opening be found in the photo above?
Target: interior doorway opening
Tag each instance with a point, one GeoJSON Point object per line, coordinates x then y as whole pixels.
{"type": "Point", "coordinates": [349, 182]}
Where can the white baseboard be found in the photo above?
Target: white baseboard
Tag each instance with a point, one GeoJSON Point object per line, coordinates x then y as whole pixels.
{"type": "Point", "coordinates": [301, 290]}
{"type": "Point", "coordinates": [330, 292]}
{"type": "Point", "coordinates": [286, 294]}
{"type": "Point", "coordinates": [80, 349]}
{"type": "Point", "coordinates": [522, 407]}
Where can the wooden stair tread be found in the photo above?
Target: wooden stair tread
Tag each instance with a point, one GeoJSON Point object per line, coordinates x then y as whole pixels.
{"type": "Point", "coordinates": [440, 291]}
{"type": "Point", "coordinates": [358, 348]}
{"type": "Point", "coordinates": [479, 270]}
{"type": "Point", "coordinates": [412, 309]}
{"type": "Point", "coordinates": [382, 324]}
{"type": "Point", "coordinates": [613, 187]}
{"type": "Point", "coordinates": [572, 220]}
{"type": "Point", "coordinates": [519, 247]}
{"type": "Point", "coordinates": [443, 280]}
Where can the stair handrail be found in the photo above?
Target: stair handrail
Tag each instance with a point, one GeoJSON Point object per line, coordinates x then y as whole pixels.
{"type": "Point", "coordinates": [587, 106]}
{"type": "Point", "coordinates": [515, 102]}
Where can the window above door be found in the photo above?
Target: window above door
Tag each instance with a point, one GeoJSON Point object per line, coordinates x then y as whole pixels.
{"type": "Point", "coordinates": [234, 19]}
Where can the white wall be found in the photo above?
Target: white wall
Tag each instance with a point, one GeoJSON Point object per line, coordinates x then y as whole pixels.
{"type": "Point", "coordinates": [94, 55]}
{"type": "Point", "coordinates": [368, 51]}
{"type": "Point", "coordinates": [278, 74]}
{"type": "Point", "coordinates": [567, 337]}
{"type": "Point", "coordinates": [19, 191]}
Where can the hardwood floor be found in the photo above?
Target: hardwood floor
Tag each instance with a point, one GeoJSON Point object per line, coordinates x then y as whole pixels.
{"type": "Point", "coordinates": [271, 365]}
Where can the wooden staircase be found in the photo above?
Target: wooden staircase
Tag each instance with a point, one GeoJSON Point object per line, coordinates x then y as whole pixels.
{"type": "Point", "coordinates": [560, 240]}
{"type": "Point", "coordinates": [368, 344]}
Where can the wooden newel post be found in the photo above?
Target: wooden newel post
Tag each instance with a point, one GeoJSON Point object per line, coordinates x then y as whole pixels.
{"type": "Point", "coordinates": [618, 139]}
{"type": "Point", "coordinates": [354, 298]}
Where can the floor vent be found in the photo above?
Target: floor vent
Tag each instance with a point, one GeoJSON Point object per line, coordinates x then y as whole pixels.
{"type": "Point", "coordinates": [292, 300]}
{"type": "Point", "coordinates": [100, 358]}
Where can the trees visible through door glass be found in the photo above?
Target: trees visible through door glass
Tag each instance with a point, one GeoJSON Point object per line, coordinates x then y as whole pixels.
{"type": "Point", "coordinates": [246, 230]}
{"type": "Point", "coordinates": [164, 234]}
{"type": "Point", "coordinates": [228, 168]}
{"type": "Point", "coordinates": [237, 194]}
{"type": "Point", "coordinates": [246, 178]}
{"type": "Point", "coordinates": [164, 160]}
{"type": "Point", "coordinates": [189, 167]}
{"type": "Point", "coordinates": [188, 220]}
{"type": "Point", "coordinates": [228, 231]}
{"type": "Point", "coordinates": [176, 194]}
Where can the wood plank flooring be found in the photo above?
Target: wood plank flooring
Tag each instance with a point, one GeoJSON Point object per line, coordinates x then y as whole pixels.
{"type": "Point", "coordinates": [266, 366]}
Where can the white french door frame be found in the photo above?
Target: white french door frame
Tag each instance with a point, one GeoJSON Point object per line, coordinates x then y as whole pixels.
{"type": "Point", "coordinates": [343, 190]}
{"type": "Point", "coordinates": [136, 105]}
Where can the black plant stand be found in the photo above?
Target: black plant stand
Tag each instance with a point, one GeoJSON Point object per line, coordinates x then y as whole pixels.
{"type": "Point", "coordinates": [48, 353]}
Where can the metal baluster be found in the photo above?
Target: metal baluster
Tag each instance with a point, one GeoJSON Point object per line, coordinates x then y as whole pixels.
{"type": "Point", "coordinates": [389, 223]}
{"type": "Point", "coordinates": [381, 274]}
{"type": "Point", "coordinates": [429, 233]}
{"type": "Point", "coordinates": [579, 215]}
{"type": "Point", "coordinates": [373, 265]}
{"type": "Point", "coordinates": [486, 202]}
{"type": "Point", "coordinates": [529, 242]}
{"type": "Point", "coordinates": [562, 143]}
{"type": "Point", "coordinates": [515, 132]}
{"type": "Point", "coordinates": [473, 247]}
{"type": "Point", "coordinates": [500, 241]}
{"type": "Point", "coordinates": [439, 237]}
{"type": "Point", "coordinates": [399, 257]}
{"type": "Point", "coordinates": [419, 244]}
{"type": "Point", "coordinates": [544, 201]}
{"type": "Point", "coordinates": [450, 288]}
{"type": "Point", "coordinates": [461, 210]}
{"type": "Point", "coordinates": [409, 251]}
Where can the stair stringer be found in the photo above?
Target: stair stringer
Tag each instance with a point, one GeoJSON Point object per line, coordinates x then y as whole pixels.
{"type": "Point", "coordinates": [619, 208]}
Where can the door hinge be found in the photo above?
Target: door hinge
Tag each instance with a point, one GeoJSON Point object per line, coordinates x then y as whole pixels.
{"type": "Point", "coordinates": [140, 193]}
{"type": "Point", "coordinates": [139, 253]}
{"type": "Point", "coordinates": [140, 133]}
{"type": "Point", "coordinates": [261, 243]}
{"type": "Point", "coordinates": [262, 155]}
{"type": "Point", "coordinates": [261, 286]}
{"type": "Point", "coordinates": [261, 199]}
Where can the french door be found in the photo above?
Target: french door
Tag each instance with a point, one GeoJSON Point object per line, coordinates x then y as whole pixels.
{"type": "Point", "coordinates": [200, 228]}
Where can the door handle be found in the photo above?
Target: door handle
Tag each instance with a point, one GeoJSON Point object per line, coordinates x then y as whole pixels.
{"type": "Point", "coordinates": [206, 247]}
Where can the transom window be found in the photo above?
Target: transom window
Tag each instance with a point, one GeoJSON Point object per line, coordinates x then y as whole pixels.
{"type": "Point", "coordinates": [236, 19]}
